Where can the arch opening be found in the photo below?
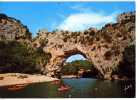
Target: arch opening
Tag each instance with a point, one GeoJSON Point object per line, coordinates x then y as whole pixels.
{"type": "Point", "coordinates": [78, 66]}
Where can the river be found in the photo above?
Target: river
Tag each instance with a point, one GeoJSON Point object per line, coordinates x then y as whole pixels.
{"type": "Point", "coordinates": [80, 88]}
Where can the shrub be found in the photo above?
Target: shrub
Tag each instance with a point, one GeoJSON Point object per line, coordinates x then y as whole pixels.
{"type": "Point", "coordinates": [72, 68]}
{"type": "Point", "coordinates": [17, 57]}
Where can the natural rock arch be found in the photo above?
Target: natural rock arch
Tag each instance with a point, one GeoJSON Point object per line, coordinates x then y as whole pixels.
{"type": "Point", "coordinates": [104, 48]}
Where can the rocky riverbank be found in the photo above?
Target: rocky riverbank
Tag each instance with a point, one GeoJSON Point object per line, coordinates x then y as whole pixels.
{"type": "Point", "coordinates": [18, 78]}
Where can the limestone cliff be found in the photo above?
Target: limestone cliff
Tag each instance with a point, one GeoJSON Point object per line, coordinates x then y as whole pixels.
{"type": "Point", "coordinates": [104, 47]}
{"type": "Point", "coordinates": [12, 29]}
{"type": "Point", "coordinates": [16, 51]}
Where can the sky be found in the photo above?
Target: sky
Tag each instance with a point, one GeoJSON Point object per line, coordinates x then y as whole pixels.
{"type": "Point", "coordinates": [71, 16]}
{"type": "Point", "coordinates": [75, 57]}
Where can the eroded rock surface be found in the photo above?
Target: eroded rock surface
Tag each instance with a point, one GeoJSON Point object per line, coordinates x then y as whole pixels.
{"type": "Point", "coordinates": [104, 47]}
{"type": "Point", "coordinates": [12, 29]}
{"type": "Point", "coordinates": [17, 53]}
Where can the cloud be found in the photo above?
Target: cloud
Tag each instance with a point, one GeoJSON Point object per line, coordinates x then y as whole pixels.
{"type": "Point", "coordinates": [82, 21]}
{"type": "Point", "coordinates": [81, 8]}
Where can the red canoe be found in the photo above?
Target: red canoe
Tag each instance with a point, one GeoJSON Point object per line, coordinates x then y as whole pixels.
{"type": "Point", "coordinates": [63, 88]}
{"type": "Point", "coordinates": [16, 87]}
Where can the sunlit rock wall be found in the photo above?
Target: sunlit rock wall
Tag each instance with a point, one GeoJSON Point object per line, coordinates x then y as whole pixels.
{"type": "Point", "coordinates": [104, 47]}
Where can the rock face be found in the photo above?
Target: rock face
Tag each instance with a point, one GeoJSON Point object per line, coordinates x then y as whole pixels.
{"type": "Point", "coordinates": [12, 29]}
{"type": "Point", "coordinates": [104, 47]}
{"type": "Point", "coordinates": [127, 65]}
{"type": "Point", "coordinates": [17, 53]}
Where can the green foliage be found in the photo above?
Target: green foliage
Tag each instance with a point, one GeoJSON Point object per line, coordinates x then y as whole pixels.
{"type": "Point", "coordinates": [17, 57]}
{"type": "Point", "coordinates": [129, 54]}
{"type": "Point", "coordinates": [72, 68]}
{"type": "Point", "coordinates": [127, 65]}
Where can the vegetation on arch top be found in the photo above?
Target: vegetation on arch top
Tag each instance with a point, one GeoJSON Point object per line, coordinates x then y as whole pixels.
{"type": "Point", "coordinates": [104, 47]}
{"type": "Point", "coordinates": [107, 33]}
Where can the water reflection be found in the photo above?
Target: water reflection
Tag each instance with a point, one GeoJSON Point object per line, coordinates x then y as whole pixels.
{"type": "Point", "coordinates": [80, 88]}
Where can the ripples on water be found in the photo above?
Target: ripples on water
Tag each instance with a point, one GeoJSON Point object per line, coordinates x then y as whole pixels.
{"type": "Point", "coordinates": [80, 88]}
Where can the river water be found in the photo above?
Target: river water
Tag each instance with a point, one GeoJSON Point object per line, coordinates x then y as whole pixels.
{"type": "Point", "coordinates": [80, 88]}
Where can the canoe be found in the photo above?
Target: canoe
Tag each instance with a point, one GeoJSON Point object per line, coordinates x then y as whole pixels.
{"type": "Point", "coordinates": [64, 88]}
{"type": "Point", "coordinates": [16, 87]}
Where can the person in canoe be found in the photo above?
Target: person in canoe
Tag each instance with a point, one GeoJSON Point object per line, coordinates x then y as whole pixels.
{"type": "Point", "coordinates": [63, 87]}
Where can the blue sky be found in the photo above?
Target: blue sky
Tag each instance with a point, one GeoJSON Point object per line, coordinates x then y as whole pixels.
{"type": "Point", "coordinates": [75, 57]}
{"type": "Point", "coordinates": [72, 16]}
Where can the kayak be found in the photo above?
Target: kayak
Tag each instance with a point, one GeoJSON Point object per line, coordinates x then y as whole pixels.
{"type": "Point", "coordinates": [16, 87]}
{"type": "Point", "coordinates": [64, 88]}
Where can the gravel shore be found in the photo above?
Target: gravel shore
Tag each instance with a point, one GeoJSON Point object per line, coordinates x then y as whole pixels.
{"type": "Point", "coordinates": [18, 78]}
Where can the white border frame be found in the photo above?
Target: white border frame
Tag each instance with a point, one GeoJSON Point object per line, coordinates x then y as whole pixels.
{"type": "Point", "coordinates": [137, 38]}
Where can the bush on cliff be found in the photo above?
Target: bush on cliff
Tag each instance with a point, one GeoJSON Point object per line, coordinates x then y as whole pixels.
{"type": "Point", "coordinates": [127, 65]}
{"type": "Point", "coordinates": [17, 57]}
